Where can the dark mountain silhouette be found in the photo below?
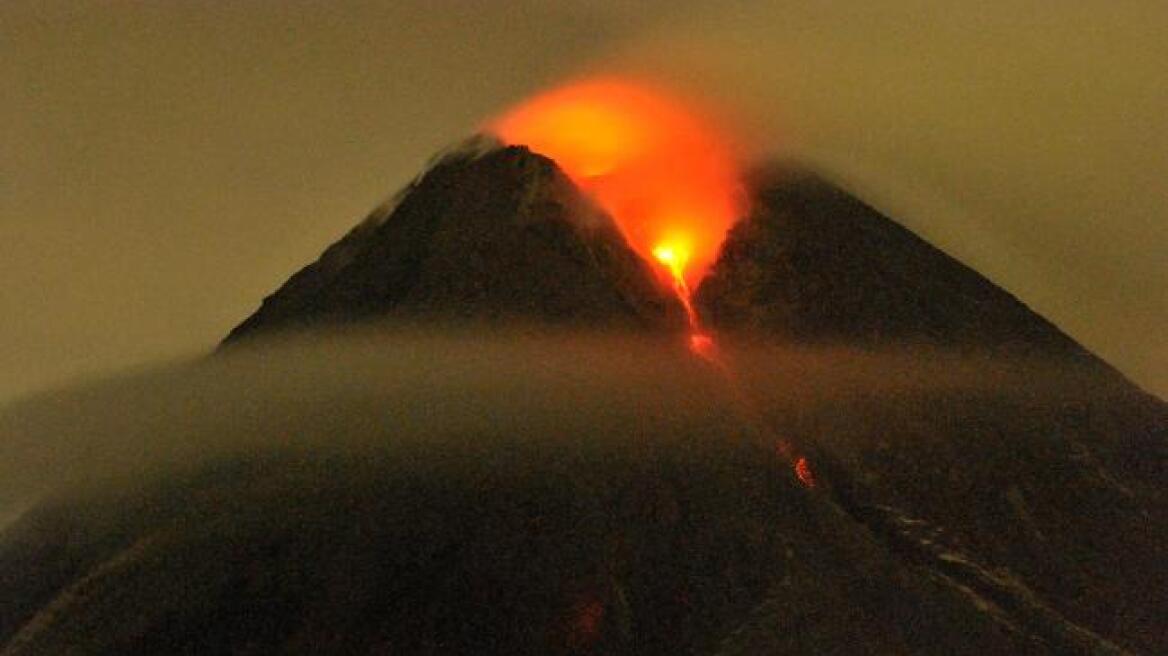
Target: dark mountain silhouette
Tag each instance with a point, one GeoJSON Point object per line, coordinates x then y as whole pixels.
{"type": "Point", "coordinates": [811, 263]}
{"type": "Point", "coordinates": [487, 233]}
{"type": "Point", "coordinates": [1026, 517]}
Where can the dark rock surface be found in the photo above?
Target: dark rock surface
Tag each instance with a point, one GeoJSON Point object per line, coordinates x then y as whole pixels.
{"type": "Point", "coordinates": [813, 264]}
{"type": "Point", "coordinates": [487, 233]}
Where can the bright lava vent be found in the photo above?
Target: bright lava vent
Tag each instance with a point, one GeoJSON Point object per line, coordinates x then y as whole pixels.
{"type": "Point", "coordinates": [665, 174]}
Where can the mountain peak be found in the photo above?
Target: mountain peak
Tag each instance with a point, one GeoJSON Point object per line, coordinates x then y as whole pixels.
{"type": "Point", "coordinates": [491, 232]}
{"type": "Point", "coordinates": [812, 263]}
{"type": "Point", "coordinates": [486, 233]}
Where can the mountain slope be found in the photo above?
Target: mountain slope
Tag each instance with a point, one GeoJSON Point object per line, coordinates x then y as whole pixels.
{"type": "Point", "coordinates": [487, 233]}
{"type": "Point", "coordinates": [1050, 487]}
{"type": "Point", "coordinates": [813, 264]}
{"type": "Point", "coordinates": [981, 484]}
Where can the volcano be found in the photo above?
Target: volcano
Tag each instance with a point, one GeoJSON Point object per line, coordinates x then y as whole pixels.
{"type": "Point", "coordinates": [1021, 512]}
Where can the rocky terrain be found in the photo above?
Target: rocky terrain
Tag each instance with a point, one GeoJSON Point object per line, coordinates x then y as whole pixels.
{"type": "Point", "coordinates": [486, 234]}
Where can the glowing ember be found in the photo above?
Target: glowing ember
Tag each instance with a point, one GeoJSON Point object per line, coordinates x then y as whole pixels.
{"type": "Point", "coordinates": [674, 258]}
{"type": "Point", "coordinates": [702, 344]}
{"type": "Point", "coordinates": [666, 176]}
{"type": "Point", "coordinates": [804, 473]}
{"type": "Point", "coordinates": [801, 466]}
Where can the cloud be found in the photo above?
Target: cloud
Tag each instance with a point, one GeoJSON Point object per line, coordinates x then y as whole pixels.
{"type": "Point", "coordinates": [392, 389]}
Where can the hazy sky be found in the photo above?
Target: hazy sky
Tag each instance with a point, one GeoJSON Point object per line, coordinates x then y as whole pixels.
{"type": "Point", "coordinates": [164, 165]}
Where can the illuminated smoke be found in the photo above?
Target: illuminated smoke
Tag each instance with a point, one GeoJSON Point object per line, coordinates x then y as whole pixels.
{"type": "Point", "coordinates": [666, 175]}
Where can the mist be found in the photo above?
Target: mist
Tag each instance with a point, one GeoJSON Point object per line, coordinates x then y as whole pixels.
{"type": "Point", "coordinates": [456, 393]}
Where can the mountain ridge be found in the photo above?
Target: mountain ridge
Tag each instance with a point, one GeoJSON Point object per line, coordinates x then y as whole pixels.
{"type": "Point", "coordinates": [809, 263]}
{"type": "Point", "coordinates": [488, 232]}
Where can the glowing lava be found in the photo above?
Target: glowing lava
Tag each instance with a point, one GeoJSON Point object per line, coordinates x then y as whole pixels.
{"type": "Point", "coordinates": [666, 175]}
{"type": "Point", "coordinates": [804, 473]}
{"type": "Point", "coordinates": [674, 258]}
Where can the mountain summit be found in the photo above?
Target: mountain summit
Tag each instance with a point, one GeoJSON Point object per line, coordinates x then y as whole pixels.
{"type": "Point", "coordinates": [486, 233]}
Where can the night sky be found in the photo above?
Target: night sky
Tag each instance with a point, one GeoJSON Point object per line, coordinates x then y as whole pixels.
{"type": "Point", "coordinates": [165, 165]}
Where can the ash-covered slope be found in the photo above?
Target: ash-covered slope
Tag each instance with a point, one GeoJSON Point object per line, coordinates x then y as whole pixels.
{"type": "Point", "coordinates": [813, 264]}
{"type": "Point", "coordinates": [487, 233]}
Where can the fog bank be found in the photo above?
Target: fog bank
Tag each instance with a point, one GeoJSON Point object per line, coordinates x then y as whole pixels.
{"type": "Point", "coordinates": [393, 389]}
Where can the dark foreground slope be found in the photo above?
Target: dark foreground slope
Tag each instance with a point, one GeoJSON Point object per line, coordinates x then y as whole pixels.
{"type": "Point", "coordinates": [549, 501]}
{"type": "Point", "coordinates": [503, 551]}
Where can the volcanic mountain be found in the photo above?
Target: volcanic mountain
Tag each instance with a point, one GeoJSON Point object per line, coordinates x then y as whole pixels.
{"type": "Point", "coordinates": [973, 481]}
{"type": "Point", "coordinates": [500, 233]}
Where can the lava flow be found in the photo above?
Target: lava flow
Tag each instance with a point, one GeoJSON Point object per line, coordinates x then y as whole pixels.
{"type": "Point", "coordinates": [674, 259]}
{"type": "Point", "coordinates": [666, 175]}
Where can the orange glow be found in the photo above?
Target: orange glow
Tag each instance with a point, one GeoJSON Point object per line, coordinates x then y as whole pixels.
{"type": "Point", "coordinates": [804, 473]}
{"type": "Point", "coordinates": [666, 175]}
{"type": "Point", "coordinates": [674, 258]}
{"type": "Point", "coordinates": [801, 465]}
{"type": "Point", "coordinates": [702, 344]}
